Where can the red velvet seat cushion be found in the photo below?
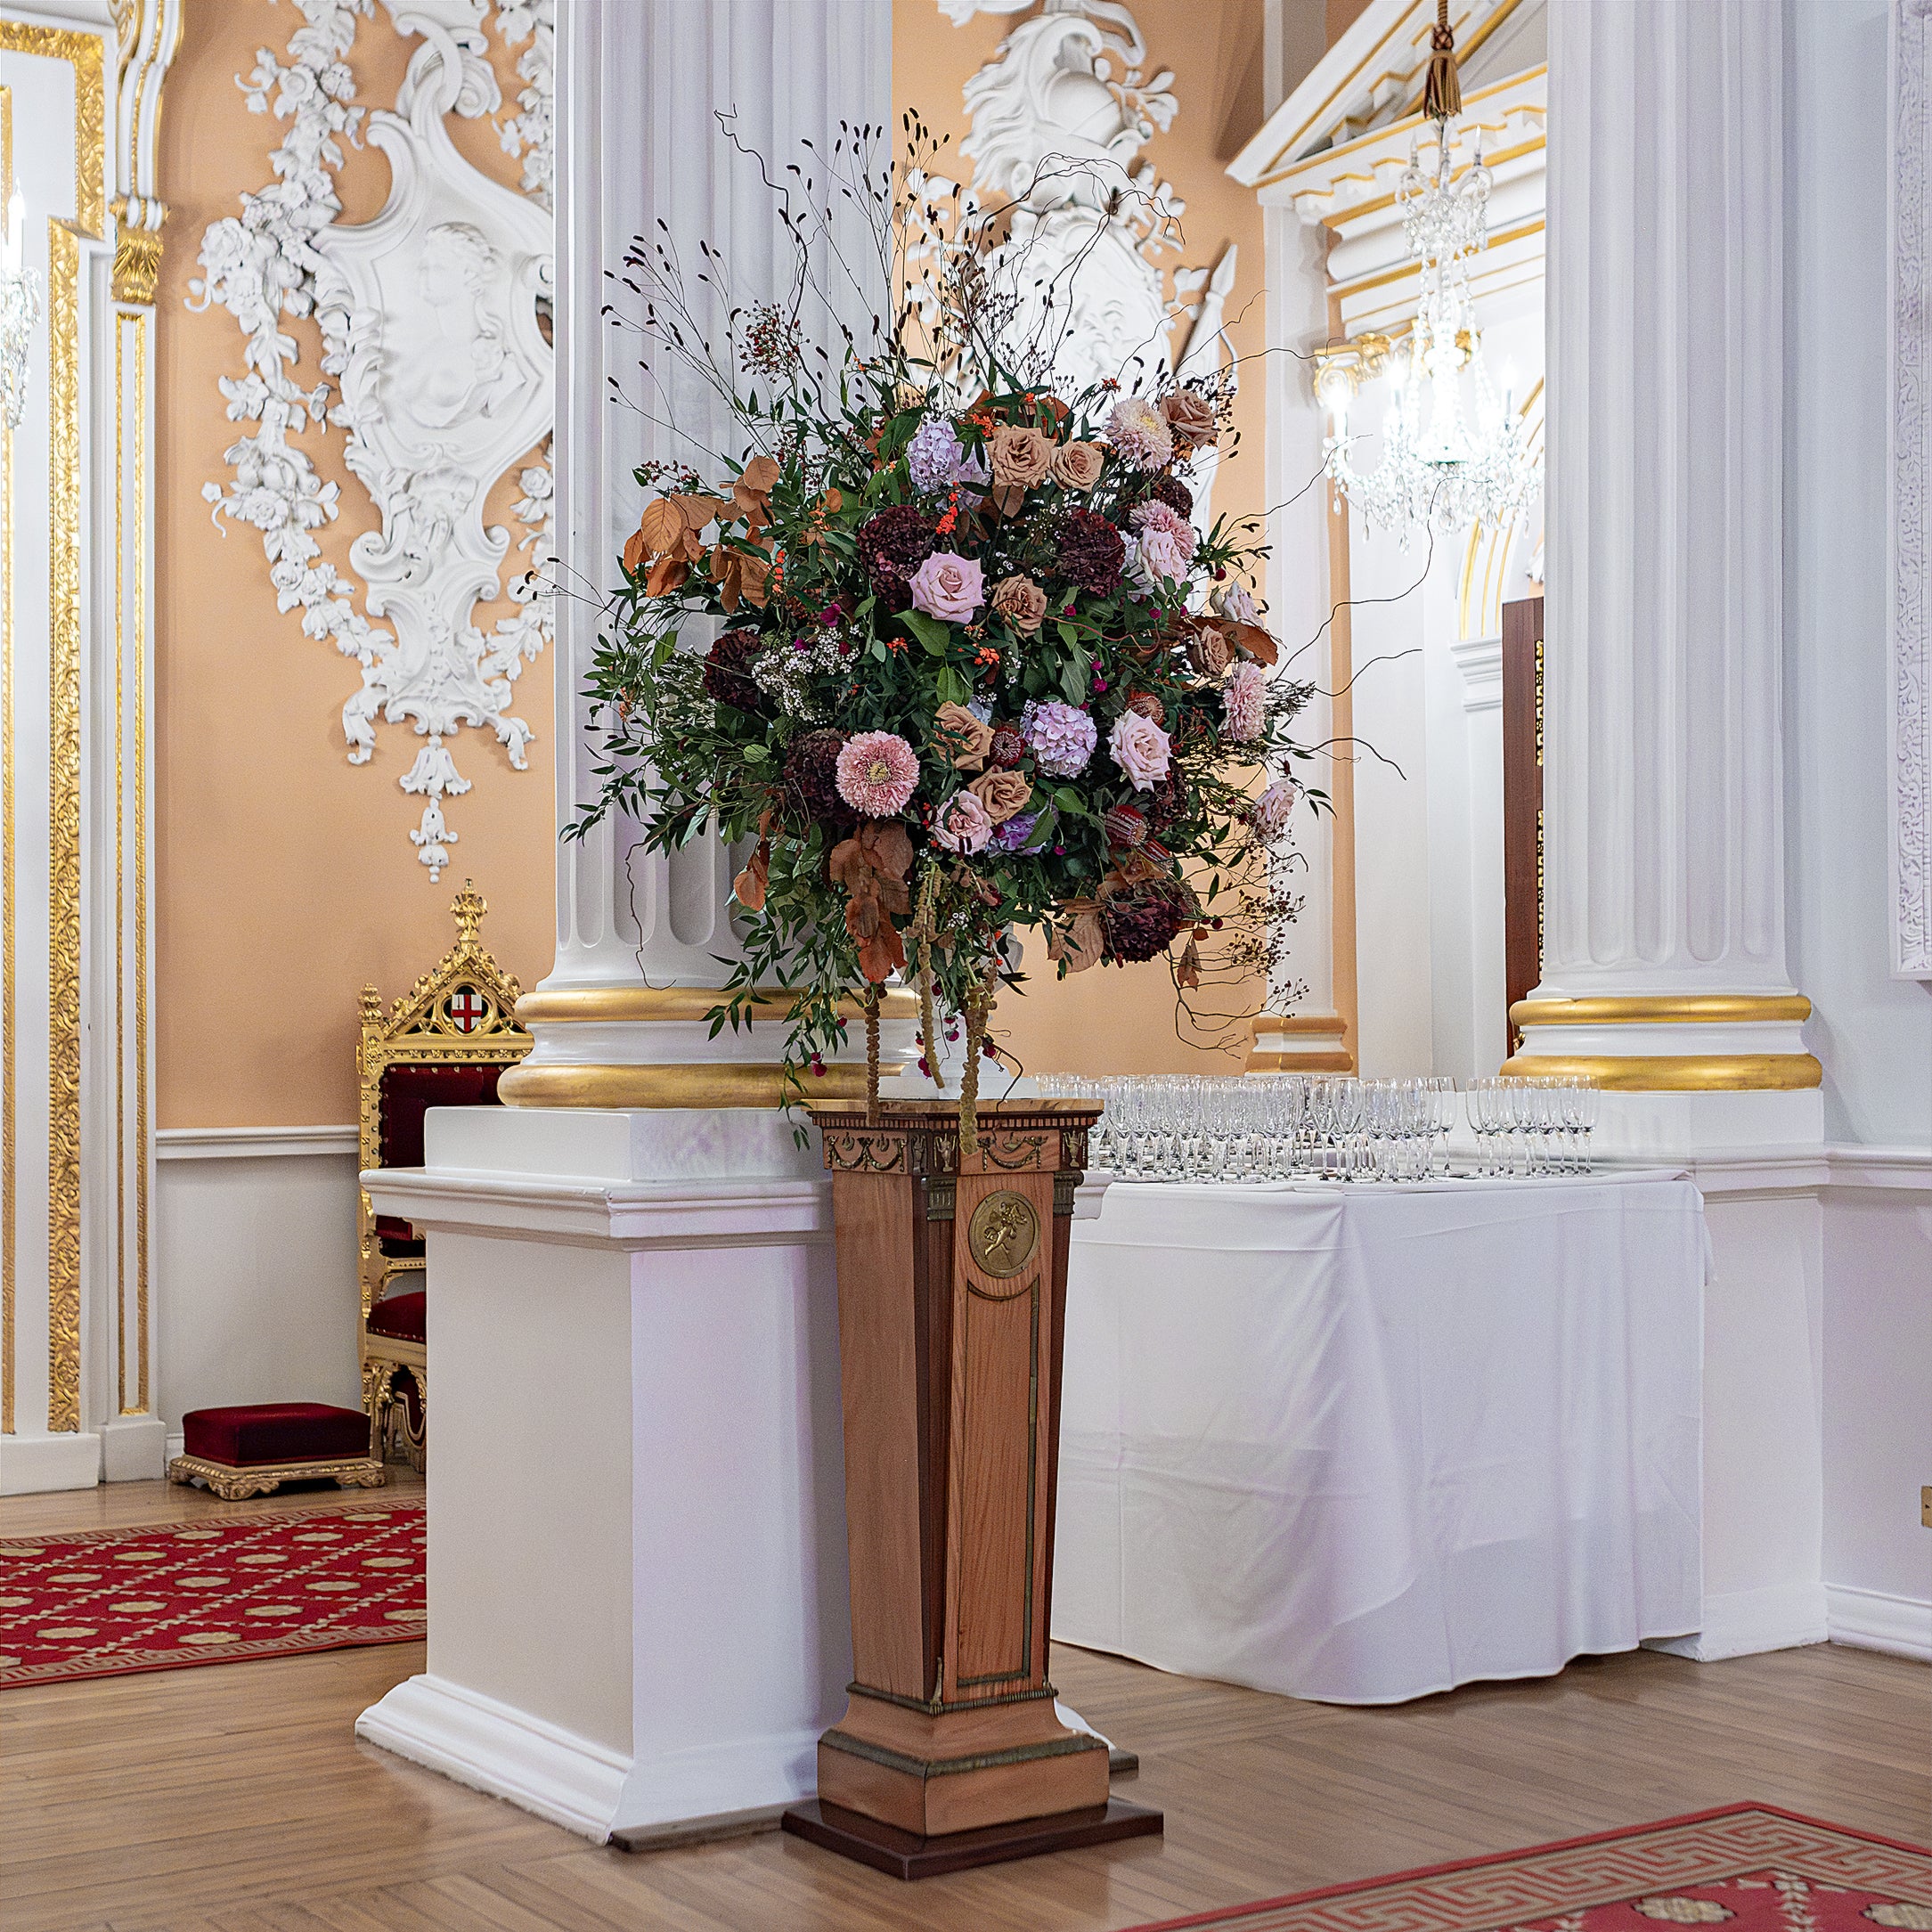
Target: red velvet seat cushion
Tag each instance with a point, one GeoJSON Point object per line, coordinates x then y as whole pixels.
{"type": "Point", "coordinates": [274, 1432]}
{"type": "Point", "coordinates": [399, 1316]}
{"type": "Point", "coordinates": [408, 1093]}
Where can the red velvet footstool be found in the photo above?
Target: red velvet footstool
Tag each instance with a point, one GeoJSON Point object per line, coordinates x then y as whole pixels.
{"type": "Point", "coordinates": [256, 1448]}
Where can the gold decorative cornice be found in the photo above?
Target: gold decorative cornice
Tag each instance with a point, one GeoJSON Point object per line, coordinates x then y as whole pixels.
{"type": "Point", "coordinates": [1669, 1009]}
{"type": "Point", "coordinates": [606, 1004]}
{"type": "Point", "coordinates": [1676, 1073]}
{"type": "Point", "coordinates": [717, 1083]}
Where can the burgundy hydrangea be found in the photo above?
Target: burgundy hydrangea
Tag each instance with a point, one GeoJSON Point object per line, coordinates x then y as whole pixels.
{"type": "Point", "coordinates": [1091, 553]}
{"type": "Point", "coordinates": [1140, 921]}
{"type": "Point", "coordinates": [1168, 489]}
{"type": "Point", "coordinates": [811, 780]}
{"type": "Point", "coordinates": [891, 546]}
{"type": "Point", "coordinates": [1165, 805]}
{"type": "Point", "coordinates": [728, 663]}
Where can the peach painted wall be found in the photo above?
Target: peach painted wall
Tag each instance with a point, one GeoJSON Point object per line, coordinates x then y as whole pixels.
{"type": "Point", "coordinates": [284, 876]}
{"type": "Point", "coordinates": [1115, 1020]}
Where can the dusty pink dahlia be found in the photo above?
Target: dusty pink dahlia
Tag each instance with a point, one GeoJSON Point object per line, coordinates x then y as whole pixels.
{"type": "Point", "coordinates": [877, 772]}
{"type": "Point", "coordinates": [1139, 432]}
{"type": "Point", "coordinates": [1243, 702]}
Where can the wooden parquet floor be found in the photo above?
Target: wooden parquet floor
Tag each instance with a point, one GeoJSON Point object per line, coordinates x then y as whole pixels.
{"type": "Point", "coordinates": [235, 1798]}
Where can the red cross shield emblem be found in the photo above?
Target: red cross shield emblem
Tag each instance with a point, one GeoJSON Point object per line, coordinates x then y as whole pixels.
{"type": "Point", "coordinates": [468, 1010]}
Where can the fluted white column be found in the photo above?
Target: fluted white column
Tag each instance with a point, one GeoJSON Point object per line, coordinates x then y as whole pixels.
{"type": "Point", "coordinates": [1664, 961]}
{"type": "Point", "coordinates": [640, 86]}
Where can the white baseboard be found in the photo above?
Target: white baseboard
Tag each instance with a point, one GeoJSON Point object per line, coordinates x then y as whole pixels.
{"type": "Point", "coordinates": [584, 1787]}
{"type": "Point", "coordinates": [31, 1466]}
{"type": "Point", "coordinates": [134, 1449]}
{"type": "Point", "coordinates": [494, 1748]}
{"type": "Point", "coordinates": [1872, 1620]}
{"type": "Point", "coordinates": [1743, 1623]}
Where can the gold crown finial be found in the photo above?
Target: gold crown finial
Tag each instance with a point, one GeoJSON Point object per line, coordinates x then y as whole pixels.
{"type": "Point", "coordinates": [470, 907]}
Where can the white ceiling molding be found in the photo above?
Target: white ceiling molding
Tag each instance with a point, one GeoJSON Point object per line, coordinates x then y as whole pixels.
{"type": "Point", "coordinates": [1372, 77]}
{"type": "Point", "coordinates": [1073, 83]}
{"type": "Point", "coordinates": [1909, 481]}
{"type": "Point", "coordinates": [442, 373]}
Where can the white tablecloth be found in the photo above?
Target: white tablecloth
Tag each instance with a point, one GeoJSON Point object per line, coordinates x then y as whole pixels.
{"type": "Point", "coordinates": [1365, 1443]}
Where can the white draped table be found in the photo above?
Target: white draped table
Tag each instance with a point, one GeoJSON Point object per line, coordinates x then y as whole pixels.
{"type": "Point", "coordinates": [1363, 1443]}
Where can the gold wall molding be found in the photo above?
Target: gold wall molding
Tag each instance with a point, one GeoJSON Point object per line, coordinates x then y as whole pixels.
{"type": "Point", "coordinates": [85, 54]}
{"type": "Point", "coordinates": [65, 498]}
{"type": "Point", "coordinates": [137, 264]}
{"type": "Point", "coordinates": [8, 1261]}
{"type": "Point", "coordinates": [1664, 1010]}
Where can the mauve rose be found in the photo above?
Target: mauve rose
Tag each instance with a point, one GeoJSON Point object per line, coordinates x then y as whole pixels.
{"type": "Point", "coordinates": [1210, 653]}
{"type": "Point", "coordinates": [1022, 603]}
{"type": "Point", "coordinates": [961, 824]}
{"type": "Point", "coordinates": [1138, 746]}
{"type": "Point", "coordinates": [948, 586]}
{"type": "Point", "coordinates": [966, 738]}
{"type": "Point", "coordinates": [1077, 466]}
{"type": "Point", "coordinates": [1190, 418]}
{"type": "Point", "coordinates": [1004, 794]}
{"type": "Point", "coordinates": [1021, 456]}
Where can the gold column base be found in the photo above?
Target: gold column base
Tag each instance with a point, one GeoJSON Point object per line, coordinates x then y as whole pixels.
{"type": "Point", "coordinates": [1675, 1073]}
{"type": "Point", "coordinates": [1686, 1073]}
{"type": "Point", "coordinates": [716, 1083]}
{"type": "Point", "coordinates": [1326, 1051]}
{"type": "Point", "coordinates": [698, 1083]}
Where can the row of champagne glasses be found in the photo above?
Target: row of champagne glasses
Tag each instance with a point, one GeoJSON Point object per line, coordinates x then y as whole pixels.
{"type": "Point", "coordinates": [1533, 1125]}
{"type": "Point", "coordinates": [1284, 1126]}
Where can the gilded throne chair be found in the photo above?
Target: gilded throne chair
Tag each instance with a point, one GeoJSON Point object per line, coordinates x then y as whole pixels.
{"type": "Point", "coordinates": [442, 1045]}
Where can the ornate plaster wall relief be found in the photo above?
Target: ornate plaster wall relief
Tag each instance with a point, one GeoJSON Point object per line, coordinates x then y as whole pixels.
{"type": "Point", "coordinates": [1059, 118]}
{"type": "Point", "coordinates": [1909, 695]}
{"type": "Point", "coordinates": [436, 363]}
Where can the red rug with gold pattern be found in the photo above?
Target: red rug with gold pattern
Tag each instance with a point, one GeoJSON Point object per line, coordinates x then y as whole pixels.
{"type": "Point", "coordinates": [1749, 1867]}
{"type": "Point", "coordinates": [112, 1601]}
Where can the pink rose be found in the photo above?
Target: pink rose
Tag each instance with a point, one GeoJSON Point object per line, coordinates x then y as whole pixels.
{"type": "Point", "coordinates": [947, 587]}
{"type": "Point", "coordinates": [1138, 746]}
{"type": "Point", "coordinates": [1243, 702]}
{"type": "Point", "coordinates": [962, 824]}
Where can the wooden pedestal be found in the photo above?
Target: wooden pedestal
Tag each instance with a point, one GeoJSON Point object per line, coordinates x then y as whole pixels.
{"type": "Point", "coordinates": [952, 1295]}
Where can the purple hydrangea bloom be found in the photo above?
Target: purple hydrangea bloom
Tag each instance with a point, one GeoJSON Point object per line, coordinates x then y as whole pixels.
{"type": "Point", "coordinates": [936, 457]}
{"type": "Point", "coordinates": [1061, 738]}
{"type": "Point", "coordinates": [1016, 832]}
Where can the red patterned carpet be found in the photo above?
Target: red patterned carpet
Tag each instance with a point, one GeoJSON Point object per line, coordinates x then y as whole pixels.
{"type": "Point", "coordinates": [114, 1601]}
{"type": "Point", "coordinates": [1749, 1867]}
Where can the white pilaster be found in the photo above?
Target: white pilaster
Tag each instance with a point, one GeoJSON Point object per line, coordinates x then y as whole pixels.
{"type": "Point", "coordinates": [1663, 770]}
{"type": "Point", "coordinates": [640, 86]}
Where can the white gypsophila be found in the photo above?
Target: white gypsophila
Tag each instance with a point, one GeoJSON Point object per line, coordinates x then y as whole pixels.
{"type": "Point", "coordinates": [784, 673]}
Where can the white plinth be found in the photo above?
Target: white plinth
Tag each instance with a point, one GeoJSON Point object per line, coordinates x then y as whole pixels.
{"type": "Point", "coordinates": [638, 1609]}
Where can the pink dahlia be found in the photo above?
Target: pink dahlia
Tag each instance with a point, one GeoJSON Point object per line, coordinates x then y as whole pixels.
{"type": "Point", "coordinates": [1270, 812]}
{"type": "Point", "coordinates": [877, 772]}
{"type": "Point", "coordinates": [1140, 746]}
{"type": "Point", "coordinates": [963, 824]}
{"type": "Point", "coordinates": [1155, 515]}
{"type": "Point", "coordinates": [1243, 702]}
{"type": "Point", "coordinates": [1139, 432]}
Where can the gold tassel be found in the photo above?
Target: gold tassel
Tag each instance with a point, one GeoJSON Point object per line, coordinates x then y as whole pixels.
{"type": "Point", "coordinates": [1442, 91]}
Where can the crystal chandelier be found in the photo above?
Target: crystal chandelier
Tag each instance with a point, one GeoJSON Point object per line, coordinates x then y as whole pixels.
{"type": "Point", "coordinates": [1454, 453]}
{"type": "Point", "coordinates": [20, 311]}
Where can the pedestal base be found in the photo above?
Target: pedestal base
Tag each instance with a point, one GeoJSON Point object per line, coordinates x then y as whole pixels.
{"type": "Point", "coordinates": [904, 1855]}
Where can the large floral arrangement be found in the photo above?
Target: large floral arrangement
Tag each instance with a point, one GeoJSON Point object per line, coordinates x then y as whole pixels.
{"type": "Point", "coordinates": [973, 667]}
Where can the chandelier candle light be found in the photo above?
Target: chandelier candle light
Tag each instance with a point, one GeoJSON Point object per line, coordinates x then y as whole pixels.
{"type": "Point", "coordinates": [20, 311]}
{"type": "Point", "coordinates": [1442, 463]}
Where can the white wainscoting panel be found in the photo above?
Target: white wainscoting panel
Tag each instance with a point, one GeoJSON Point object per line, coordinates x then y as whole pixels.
{"type": "Point", "coordinates": [254, 1267]}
